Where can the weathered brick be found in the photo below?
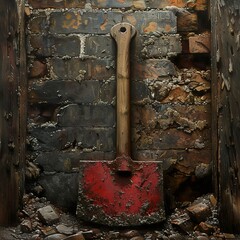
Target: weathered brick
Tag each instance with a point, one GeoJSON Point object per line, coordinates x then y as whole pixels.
{"type": "Point", "coordinates": [197, 4]}
{"type": "Point", "coordinates": [180, 159]}
{"type": "Point", "coordinates": [74, 115]}
{"type": "Point", "coordinates": [38, 69]}
{"type": "Point", "coordinates": [64, 185]}
{"type": "Point", "coordinates": [97, 22]}
{"type": "Point", "coordinates": [78, 138]}
{"type": "Point", "coordinates": [108, 92]}
{"type": "Point", "coordinates": [157, 47]}
{"type": "Point", "coordinates": [145, 46]}
{"type": "Point", "coordinates": [56, 161]}
{"type": "Point", "coordinates": [38, 23]}
{"type": "Point", "coordinates": [187, 22]}
{"type": "Point", "coordinates": [164, 116]}
{"type": "Point", "coordinates": [100, 46]}
{"type": "Point", "coordinates": [112, 4]}
{"type": "Point", "coordinates": [77, 69]}
{"type": "Point", "coordinates": [139, 91]}
{"type": "Point", "coordinates": [153, 69]}
{"type": "Point", "coordinates": [172, 139]}
{"type": "Point", "coordinates": [153, 21]}
{"type": "Point", "coordinates": [56, 92]}
{"type": "Point", "coordinates": [54, 45]}
{"type": "Point", "coordinates": [200, 43]}
{"type": "Point", "coordinates": [57, 4]}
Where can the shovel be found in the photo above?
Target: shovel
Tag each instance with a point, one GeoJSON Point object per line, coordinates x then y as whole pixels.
{"type": "Point", "coordinates": [121, 192]}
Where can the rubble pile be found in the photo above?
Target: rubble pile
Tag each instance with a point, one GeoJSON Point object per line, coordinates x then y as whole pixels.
{"type": "Point", "coordinates": [40, 220]}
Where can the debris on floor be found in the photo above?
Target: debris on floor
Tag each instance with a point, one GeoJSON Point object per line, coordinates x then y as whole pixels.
{"type": "Point", "coordinates": [39, 220]}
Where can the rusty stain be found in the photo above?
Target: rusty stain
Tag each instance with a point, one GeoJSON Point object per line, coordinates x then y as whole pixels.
{"type": "Point", "coordinates": [121, 1]}
{"type": "Point", "coordinates": [104, 24]}
{"type": "Point", "coordinates": [102, 2]}
{"type": "Point", "coordinates": [168, 28]}
{"type": "Point", "coordinates": [70, 22]}
{"type": "Point", "coordinates": [152, 27]}
{"type": "Point", "coordinates": [131, 19]}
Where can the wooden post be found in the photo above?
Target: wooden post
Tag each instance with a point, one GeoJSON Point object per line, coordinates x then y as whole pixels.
{"type": "Point", "coordinates": [11, 172]}
{"type": "Point", "coordinates": [226, 109]}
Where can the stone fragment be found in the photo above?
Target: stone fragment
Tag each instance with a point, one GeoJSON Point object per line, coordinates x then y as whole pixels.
{"type": "Point", "coordinates": [137, 238]}
{"type": "Point", "coordinates": [26, 226]}
{"type": "Point", "coordinates": [131, 234]}
{"type": "Point", "coordinates": [229, 236]}
{"type": "Point", "coordinates": [56, 236]}
{"type": "Point", "coordinates": [183, 222]}
{"type": "Point", "coordinates": [205, 228]}
{"type": "Point", "coordinates": [213, 200]}
{"type": "Point", "coordinates": [176, 236]}
{"type": "Point", "coordinates": [77, 236]}
{"type": "Point", "coordinates": [199, 212]}
{"type": "Point", "coordinates": [202, 238]}
{"type": "Point", "coordinates": [48, 215]}
{"type": "Point", "coordinates": [65, 229]}
{"type": "Point", "coordinates": [47, 231]}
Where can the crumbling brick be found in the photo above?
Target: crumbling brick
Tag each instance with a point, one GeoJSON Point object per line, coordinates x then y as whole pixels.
{"type": "Point", "coordinates": [200, 5]}
{"type": "Point", "coordinates": [199, 212]}
{"type": "Point", "coordinates": [200, 43]}
{"type": "Point", "coordinates": [56, 92]}
{"type": "Point", "coordinates": [59, 46]}
{"type": "Point", "coordinates": [81, 69]}
{"type": "Point", "coordinates": [153, 69]}
{"type": "Point", "coordinates": [74, 115]}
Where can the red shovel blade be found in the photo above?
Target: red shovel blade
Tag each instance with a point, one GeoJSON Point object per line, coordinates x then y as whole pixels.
{"type": "Point", "coordinates": [121, 198]}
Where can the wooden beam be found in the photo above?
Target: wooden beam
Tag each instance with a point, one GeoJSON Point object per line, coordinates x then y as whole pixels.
{"type": "Point", "coordinates": [10, 167]}
{"type": "Point", "coordinates": [226, 106]}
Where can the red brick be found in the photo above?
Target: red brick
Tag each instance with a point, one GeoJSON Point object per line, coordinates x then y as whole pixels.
{"type": "Point", "coordinates": [200, 43]}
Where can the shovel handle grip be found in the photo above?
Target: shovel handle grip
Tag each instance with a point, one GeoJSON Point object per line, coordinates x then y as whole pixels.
{"type": "Point", "coordinates": [123, 33]}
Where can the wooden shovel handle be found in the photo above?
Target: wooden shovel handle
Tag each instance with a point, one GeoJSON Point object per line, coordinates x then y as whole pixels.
{"type": "Point", "coordinates": [123, 33]}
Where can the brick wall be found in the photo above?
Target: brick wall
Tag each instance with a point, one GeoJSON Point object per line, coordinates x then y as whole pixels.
{"type": "Point", "coordinates": [71, 63]}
